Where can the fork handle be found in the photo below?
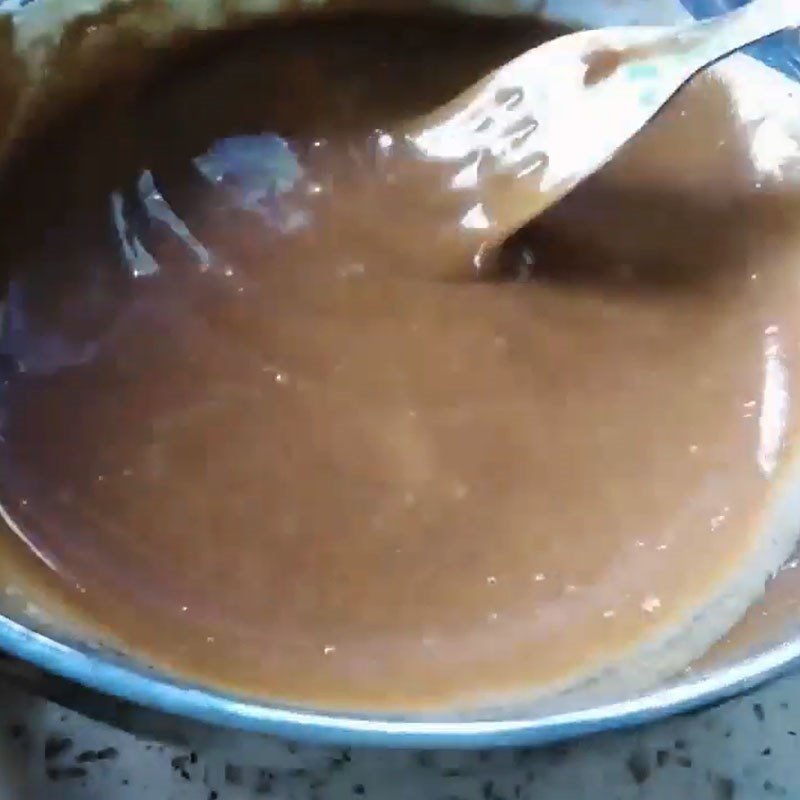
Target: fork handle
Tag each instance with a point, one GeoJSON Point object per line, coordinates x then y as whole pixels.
{"type": "Point", "coordinates": [720, 36]}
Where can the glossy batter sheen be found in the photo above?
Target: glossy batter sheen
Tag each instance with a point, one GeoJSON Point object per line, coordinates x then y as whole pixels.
{"type": "Point", "coordinates": [254, 432]}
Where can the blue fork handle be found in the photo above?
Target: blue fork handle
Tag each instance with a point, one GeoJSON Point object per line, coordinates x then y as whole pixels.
{"type": "Point", "coordinates": [781, 51]}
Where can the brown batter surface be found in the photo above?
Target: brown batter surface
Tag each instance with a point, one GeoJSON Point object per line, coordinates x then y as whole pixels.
{"type": "Point", "coordinates": [256, 435]}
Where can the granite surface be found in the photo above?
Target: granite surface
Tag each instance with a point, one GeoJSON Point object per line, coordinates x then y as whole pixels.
{"type": "Point", "coordinates": [746, 748]}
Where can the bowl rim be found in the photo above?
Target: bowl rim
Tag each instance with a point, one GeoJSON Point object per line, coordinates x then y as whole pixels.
{"type": "Point", "coordinates": [95, 670]}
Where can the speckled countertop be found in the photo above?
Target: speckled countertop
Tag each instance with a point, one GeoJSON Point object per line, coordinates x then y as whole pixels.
{"type": "Point", "coordinates": [746, 748]}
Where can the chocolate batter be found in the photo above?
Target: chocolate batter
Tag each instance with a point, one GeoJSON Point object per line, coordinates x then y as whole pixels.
{"type": "Point", "coordinates": [265, 426]}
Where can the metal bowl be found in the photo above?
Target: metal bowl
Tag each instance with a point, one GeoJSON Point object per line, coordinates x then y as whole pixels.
{"type": "Point", "coordinates": [765, 644]}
